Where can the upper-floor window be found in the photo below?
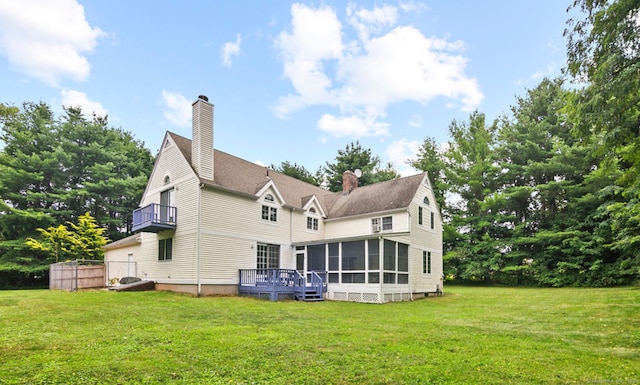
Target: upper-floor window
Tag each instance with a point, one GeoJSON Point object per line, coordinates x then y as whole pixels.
{"type": "Point", "coordinates": [269, 213]}
{"type": "Point", "coordinates": [387, 223]}
{"type": "Point", "coordinates": [312, 223]}
{"type": "Point", "coordinates": [419, 215]}
{"type": "Point", "coordinates": [167, 179]}
{"type": "Point", "coordinates": [426, 201]}
{"type": "Point", "coordinates": [312, 220]}
{"type": "Point", "coordinates": [433, 220]}
{"type": "Point", "coordinates": [381, 224]}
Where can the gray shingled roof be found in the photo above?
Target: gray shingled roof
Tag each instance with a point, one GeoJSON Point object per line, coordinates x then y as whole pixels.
{"type": "Point", "coordinates": [239, 175]}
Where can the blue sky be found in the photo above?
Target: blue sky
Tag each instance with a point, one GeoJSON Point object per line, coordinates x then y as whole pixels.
{"type": "Point", "coordinates": [289, 81]}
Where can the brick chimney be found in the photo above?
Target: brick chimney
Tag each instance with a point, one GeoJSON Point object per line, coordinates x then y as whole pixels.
{"type": "Point", "coordinates": [202, 137]}
{"type": "Point", "coordinates": [349, 181]}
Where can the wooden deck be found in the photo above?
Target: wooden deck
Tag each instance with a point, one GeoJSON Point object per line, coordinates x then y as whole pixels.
{"type": "Point", "coordinates": [277, 284]}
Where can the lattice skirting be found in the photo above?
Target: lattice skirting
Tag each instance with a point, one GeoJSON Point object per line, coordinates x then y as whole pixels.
{"type": "Point", "coordinates": [354, 296]}
{"type": "Point", "coordinates": [397, 297]}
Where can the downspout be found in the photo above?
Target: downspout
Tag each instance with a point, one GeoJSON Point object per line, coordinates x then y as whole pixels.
{"type": "Point", "coordinates": [411, 288]}
{"type": "Point", "coordinates": [198, 284]}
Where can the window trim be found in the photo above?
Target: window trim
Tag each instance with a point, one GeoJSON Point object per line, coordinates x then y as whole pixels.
{"type": "Point", "coordinates": [427, 262]}
{"type": "Point", "coordinates": [312, 223]}
{"type": "Point", "coordinates": [163, 256]}
{"type": "Point", "coordinates": [265, 256]}
{"type": "Point", "coordinates": [269, 214]}
{"type": "Point", "coordinates": [388, 226]}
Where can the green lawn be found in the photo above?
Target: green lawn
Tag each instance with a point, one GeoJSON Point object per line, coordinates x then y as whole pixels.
{"type": "Point", "coordinates": [472, 335]}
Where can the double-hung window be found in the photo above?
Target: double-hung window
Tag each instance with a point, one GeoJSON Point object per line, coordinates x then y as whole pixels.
{"type": "Point", "coordinates": [312, 223]}
{"type": "Point", "coordinates": [269, 213]}
{"type": "Point", "coordinates": [387, 223]}
{"type": "Point", "coordinates": [165, 249]}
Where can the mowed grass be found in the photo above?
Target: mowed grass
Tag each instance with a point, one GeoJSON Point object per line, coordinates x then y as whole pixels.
{"type": "Point", "coordinates": [472, 335]}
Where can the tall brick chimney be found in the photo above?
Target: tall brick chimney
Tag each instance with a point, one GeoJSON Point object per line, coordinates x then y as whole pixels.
{"type": "Point", "coordinates": [202, 137]}
{"type": "Point", "coordinates": [349, 181]}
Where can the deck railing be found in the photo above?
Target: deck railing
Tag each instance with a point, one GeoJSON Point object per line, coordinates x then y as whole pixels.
{"type": "Point", "coordinates": [267, 277]}
{"type": "Point", "coordinates": [281, 282]}
{"type": "Point", "coordinates": [154, 218]}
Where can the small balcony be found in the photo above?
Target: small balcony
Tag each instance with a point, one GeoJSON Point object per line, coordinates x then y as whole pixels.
{"type": "Point", "coordinates": [154, 218]}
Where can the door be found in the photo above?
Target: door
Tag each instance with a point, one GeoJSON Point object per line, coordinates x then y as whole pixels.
{"type": "Point", "coordinates": [166, 206]}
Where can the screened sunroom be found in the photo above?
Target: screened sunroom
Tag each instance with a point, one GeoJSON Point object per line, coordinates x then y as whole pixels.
{"type": "Point", "coordinates": [364, 270]}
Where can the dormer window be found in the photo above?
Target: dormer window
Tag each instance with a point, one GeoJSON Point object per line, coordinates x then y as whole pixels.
{"type": "Point", "coordinates": [312, 223]}
{"type": "Point", "coordinates": [269, 213]}
{"type": "Point", "coordinates": [312, 220]}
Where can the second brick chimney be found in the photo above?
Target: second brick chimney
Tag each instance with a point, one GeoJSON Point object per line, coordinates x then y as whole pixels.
{"type": "Point", "coordinates": [349, 181]}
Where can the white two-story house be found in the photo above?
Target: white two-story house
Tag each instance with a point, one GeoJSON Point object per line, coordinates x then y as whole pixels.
{"type": "Point", "coordinates": [210, 223]}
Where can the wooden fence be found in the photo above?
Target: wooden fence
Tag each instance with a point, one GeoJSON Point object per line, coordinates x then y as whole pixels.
{"type": "Point", "coordinates": [75, 275]}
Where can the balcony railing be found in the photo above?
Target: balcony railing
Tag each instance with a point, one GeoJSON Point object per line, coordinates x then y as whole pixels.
{"type": "Point", "coordinates": [154, 218]}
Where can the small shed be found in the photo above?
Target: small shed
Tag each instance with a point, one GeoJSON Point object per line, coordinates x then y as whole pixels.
{"type": "Point", "coordinates": [78, 274]}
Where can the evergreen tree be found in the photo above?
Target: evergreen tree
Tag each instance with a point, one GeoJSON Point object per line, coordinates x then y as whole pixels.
{"type": "Point", "coordinates": [353, 157]}
{"type": "Point", "coordinates": [299, 172]}
{"type": "Point", "coordinates": [56, 170]}
{"type": "Point", "coordinates": [603, 52]}
{"type": "Point", "coordinates": [472, 174]}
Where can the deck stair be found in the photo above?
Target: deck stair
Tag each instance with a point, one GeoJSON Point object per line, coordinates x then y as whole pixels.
{"type": "Point", "coordinates": [311, 289]}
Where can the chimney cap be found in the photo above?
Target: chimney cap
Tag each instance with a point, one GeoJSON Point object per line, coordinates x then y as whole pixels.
{"type": "Point", "coordinates": [203, 97]}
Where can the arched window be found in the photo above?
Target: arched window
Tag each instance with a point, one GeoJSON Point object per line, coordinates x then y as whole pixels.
{"type": "Point", "coordinates": [269, 198]}
{"type": "Point", "coordinates": [426, 201]}
{"type": "Point", "coordinates": [167, 179]}
{"type": "Point", "coordinates": [312, 210]}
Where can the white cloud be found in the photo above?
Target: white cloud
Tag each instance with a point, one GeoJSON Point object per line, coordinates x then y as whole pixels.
{"type": "Point", "coordinates": [72, 98]}
{"type": "Point", "coordinates": [177, 108]}
{"type": "Point", "coordinates": [229, 50]}
{"type": "Point", "coordinates": [413, 6]}
{"type": "Point", "coordinates": [366, 21]}
{"type": "Point", "coordinates": [401, 151]}
{"type": "Point", "coordinates": [315, 38]}
{"type": "Point", "coordinates": [354, 126]}
{"type": "Point", "coordinates": [362, 77]}
{"type": "Point", "coordinates": [47, 40]}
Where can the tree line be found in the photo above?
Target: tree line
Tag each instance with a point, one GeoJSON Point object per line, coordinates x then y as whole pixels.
{"type": "Point", "coordinates": [62, 170]}
{"type": "Point", "coordinates": [546, 195]}
{"type": "Point", "coordinates": [549, 194]}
